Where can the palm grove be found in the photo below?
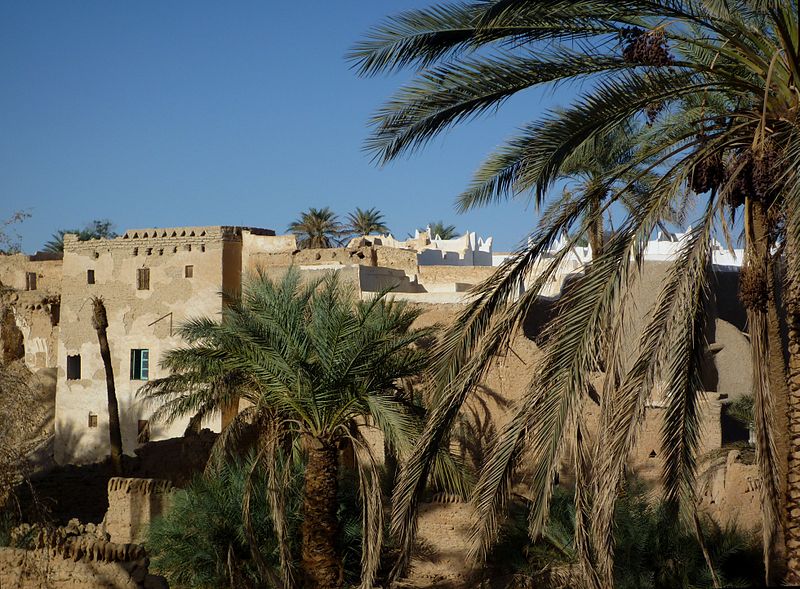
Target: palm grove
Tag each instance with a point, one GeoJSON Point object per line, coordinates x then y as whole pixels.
{"type": "Point", "coordinates": [707, 91]}
{"type": "Point", "coordinates": [686, 110]}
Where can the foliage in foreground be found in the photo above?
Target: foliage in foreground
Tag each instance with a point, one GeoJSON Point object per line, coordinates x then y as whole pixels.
{"type": "Point", "coordinates": [201, 542]}
{"type": "Point", "coordinates": [313, 363]}
{"type": "Point", "coordinates": [652, 551]}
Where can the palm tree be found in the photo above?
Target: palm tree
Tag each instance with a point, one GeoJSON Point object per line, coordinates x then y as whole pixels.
{"type": "Point", "coordinates": [366, 222]}
{"type": "Point", "coordinates": [318, 228]}
{"type": "Point", "coordinates": [438, 230]}
{"type": "Point", "coordinates": [315, 367]}
{"type": "Point", "coordinates": [97, 229]}
{"type": "Point", "coordinates": [716, 84]}
{"type": "Point", "coordinates": [100, 323]}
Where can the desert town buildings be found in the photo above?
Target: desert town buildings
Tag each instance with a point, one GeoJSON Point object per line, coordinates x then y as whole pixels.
{"type": "Point", "coordinates": [152, 280]}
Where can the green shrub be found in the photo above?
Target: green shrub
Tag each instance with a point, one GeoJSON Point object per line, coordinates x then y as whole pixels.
{"type": "Point", "coordinates": [201, 541]}
{"type": "Point", "coordinates": [651, 550]}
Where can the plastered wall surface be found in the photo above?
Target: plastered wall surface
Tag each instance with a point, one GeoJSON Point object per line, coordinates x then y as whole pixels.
{"type": "Point", "coordinates": [132, 505]}
{"type": "Point", "coordinates": [138, 319]}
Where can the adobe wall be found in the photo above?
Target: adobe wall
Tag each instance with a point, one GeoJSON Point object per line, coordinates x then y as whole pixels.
{"type": "Point", "coordinates": [258, 243]}
{"type": "Point", "coordinates": [37, 569]}
{"type": "Point", "coordinates": [14, 267]}
{"type": "Point", "coordinates": [29, 320]}
{"type": "Point", "coordinates": [138, 319]}
{"type": "Point", "coordinates": [334, 256]}
{"type": "Point", "coordinates": [132, 505]}
{"type": "Point", "coordinates": [447, 274]}
{"type": "Point", "coordinates": [731, 492]}
{"type": "Point", "coordinates": [402, 259]}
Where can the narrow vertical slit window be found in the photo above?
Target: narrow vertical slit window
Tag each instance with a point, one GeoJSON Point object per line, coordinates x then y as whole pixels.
{"type": "Point", "coordinates": [92, 419]}
{"type": "Point", "coordinates": [90, 277]}
{"type": "Point", "coordinates": [188, 272]}
{"type": "Point", "coordinates": [143, 279]}
{"type": "Point", "coordinates": [74, 367]}
{"type": "Point", "coordinates": [30, 281]}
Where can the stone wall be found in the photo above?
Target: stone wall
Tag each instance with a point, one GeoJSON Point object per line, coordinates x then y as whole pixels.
{"type": "Point", "coordinates": [133, 504]}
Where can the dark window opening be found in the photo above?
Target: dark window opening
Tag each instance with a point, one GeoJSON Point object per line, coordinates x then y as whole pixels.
{"type": "Point", "coordinates": [188, 272]}
{"type": "Point", "coordinates": [74, 367]}
{"type": "Point", "coordinates": [92, 419]}
{"type": "Point", "coordinates": [140, 364]}
{"type": "Point", "coordinates": [652, 453]}
{"type": "Point", "coordinates": [143, 427]}
{"type": "Point", "coordinates": [55, 313]}
{"type": "Point", "coordinates": [90, 277]}
{"type": "Point", "coordinates": [143, 279]}
{"type": "Point", "coordinates": [30, 281]}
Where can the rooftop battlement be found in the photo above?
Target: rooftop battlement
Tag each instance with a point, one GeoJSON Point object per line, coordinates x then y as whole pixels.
{"type": "Point", "coordinates": [163, 236]}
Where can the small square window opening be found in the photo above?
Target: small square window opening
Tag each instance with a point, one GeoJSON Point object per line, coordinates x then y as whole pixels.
{"type": "Point", "coordinates": [188, 272]}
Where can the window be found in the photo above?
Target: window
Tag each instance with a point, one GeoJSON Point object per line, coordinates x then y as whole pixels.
{"type": "Point", "coordinates": [140, 364]}
{"type": "Point", "coordinates": [55, 313]}
{"type": "Point", "coordinates": [30, 280]}
{"type": "Point", "coordinates": [90, 277]}
{"type": "Point", "coordinates": [74, 367]}
{"type": "Point", "coordinates": [143, 427]}
{"type": "Point", "coordinates": [188, 272]}
{"type": "Point", "coordinates": [143, 279]}
{"type": "Point", "coordinates": [92, 419]}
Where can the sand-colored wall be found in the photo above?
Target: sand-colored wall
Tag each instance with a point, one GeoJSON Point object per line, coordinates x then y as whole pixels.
{"type": "Point", "coordinates": [13, 269]}
{"type": "Point", "coordinates": [731, 492]}
{"type": "Point", "coordinates": [37, 569]}
{"type": "Point", "coordinates": [447, 274]}
{"type": "Point", "coordinates": [35, 314]}
{"type": "Point", "coordinates": [132, 505]}
{"type": "Point", "coordinates": [259, 243]}
{"type": "Point", "coordinates": [403, 259]}
{"type": "Point", "coordinates": [138, 319]}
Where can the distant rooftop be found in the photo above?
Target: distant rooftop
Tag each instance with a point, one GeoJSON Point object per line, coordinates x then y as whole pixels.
{"type": "Point", "coordinates": [163, 232]}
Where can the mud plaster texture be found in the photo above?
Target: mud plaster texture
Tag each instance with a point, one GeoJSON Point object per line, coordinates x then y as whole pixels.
{"type": "Point", "coordinates": [38, 569]}
{"type": "Point", "coordinates": [138, 319]}
{"type": "Point", "coordinates": [132, 505]}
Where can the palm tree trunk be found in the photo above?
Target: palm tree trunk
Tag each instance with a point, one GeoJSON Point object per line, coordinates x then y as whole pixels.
{"type": "Point", "coordinates": [792, 301]}
{"type": "Point", "coordinates": [322, 565]}
{"type": "Point", "coordinates": [100, 322]}
{"type": "Point", "coordinates": [758, 294]}
{"type": "Point", "coordinates": [596, 227]}
{"type": "Point", "coordinates": [777, 368]}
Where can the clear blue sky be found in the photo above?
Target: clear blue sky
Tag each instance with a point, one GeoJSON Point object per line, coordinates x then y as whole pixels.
{"type": "Point", "coordinates": [163, 113]}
